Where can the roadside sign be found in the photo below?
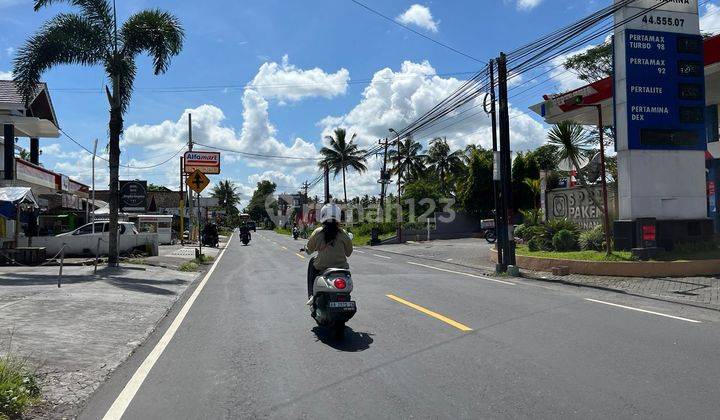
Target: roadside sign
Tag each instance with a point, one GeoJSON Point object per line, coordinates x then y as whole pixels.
{"type": "Point", "coordinates": [205, 162]}
{"type": "Point", "coordinates": [197, 181]}
{"type": "Point", "coordinates": [133, 196]}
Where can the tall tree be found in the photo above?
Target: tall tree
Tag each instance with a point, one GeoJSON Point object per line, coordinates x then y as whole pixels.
{"type": "Point", "coordinates": [92, 37]}
{"type": "Point", "coordinates": [409, 161]}
{"type": "Point", "coordinates": [341, 155]}
{"type": "Point", "coordinates": [475, 192]}
{"type": "Point", "coordinates": [592, 65]}
{"type": "Point", "coordinates": [572, 143]}
{"type": "Point", "coordinates": [546, 157]}
{"type": "Point", "coordinates": [256, 207]}
{"type": "Point", "coordinates": [227, 195]}
{"type": "Point", "coordinates": [444, 162]}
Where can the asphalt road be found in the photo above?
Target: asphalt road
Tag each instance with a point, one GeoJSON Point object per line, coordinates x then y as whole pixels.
{"type": "Point", "coordinates": [247, 348]}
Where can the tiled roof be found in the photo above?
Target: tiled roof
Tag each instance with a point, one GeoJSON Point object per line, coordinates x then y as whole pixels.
{"type": "Point", "coordinates": [10, 94]}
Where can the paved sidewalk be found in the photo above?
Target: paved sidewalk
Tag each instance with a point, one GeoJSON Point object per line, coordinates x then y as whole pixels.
{"type": "Point", "coordinates": [78, 334]}
{"type": "Point", "coordinates": [475, 253]}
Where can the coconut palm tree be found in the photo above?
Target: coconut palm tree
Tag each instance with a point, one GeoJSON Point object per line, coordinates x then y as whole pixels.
{"type": "Point", "coordinates": [409, 161]}
{"type": "Point", "coordinates": [92, 37]}
{"type": "Point", "coordinates": [573, 144]}
{"type": "Point", "coordinates": [341, 155]}
{"type": "Point", "coordinates": [442, 161]}
{"type": "Point", "coordinates": [227, 195]}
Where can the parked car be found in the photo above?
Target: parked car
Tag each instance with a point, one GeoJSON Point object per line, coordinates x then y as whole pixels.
{"type": "Point", "coordinates": [82, 241]}
{"type": "Point", "coordinates": [126, 228]}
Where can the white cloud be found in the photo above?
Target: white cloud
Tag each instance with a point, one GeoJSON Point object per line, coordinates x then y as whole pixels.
{"type": "Point", "coordinates": [286, 82]}
{"type": "Point", "coordinates": [6, 75]}
{"type": "Point", "coordinates": [284, 182]}
{"type": "Point", "coordinates": [527, 4]}
{"type": "Point", "coordinates": [10, 51]}
{"type": "Point", "coordinates": [396, 98]}
{"type": "Point", "coordinates": [420, 16]}
{"type": "Point", "coordinates": [710, 20]}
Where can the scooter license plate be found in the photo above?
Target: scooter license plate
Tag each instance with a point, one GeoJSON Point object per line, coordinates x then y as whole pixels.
{"type": "Point", "coordinates": [343, 306]}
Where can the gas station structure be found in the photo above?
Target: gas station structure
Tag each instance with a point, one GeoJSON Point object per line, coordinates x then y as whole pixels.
{"type": "Point", "coordinates": [661, 172]}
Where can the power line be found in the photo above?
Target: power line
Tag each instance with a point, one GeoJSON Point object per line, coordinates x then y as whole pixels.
{"type": "Point", "coordinates": [257, 155]}
{"type": "Point", "coordinates": [121, 165]}
{"type": "Point", "coordinates": [366, 7]}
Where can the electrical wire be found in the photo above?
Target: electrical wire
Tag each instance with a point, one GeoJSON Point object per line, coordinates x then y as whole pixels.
{"type": "Point", "coordinates": [121, 165]}
{"type": "Point", "coordinates": [368, 8]}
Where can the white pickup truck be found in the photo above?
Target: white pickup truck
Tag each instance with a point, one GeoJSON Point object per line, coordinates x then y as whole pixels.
{"type": "Point", "coordinates": [84, 240]}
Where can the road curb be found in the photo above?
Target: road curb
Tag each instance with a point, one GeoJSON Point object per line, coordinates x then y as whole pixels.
{"type": "Point", "coordinates": [527, 275]}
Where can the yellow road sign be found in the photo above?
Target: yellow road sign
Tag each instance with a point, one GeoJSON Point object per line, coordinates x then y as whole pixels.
{"type": "Point", "coordinates": [197, 181]}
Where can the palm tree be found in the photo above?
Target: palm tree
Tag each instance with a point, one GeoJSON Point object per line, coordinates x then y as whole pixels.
{"type": "Point", "coordinates": [342, 154]}
{"type": "Point", "coordinates": [227, 195]}
{"type": "Point", "coordinates": [91, 37]}
{"type": "Point", "coordinates": [442, 161]}
{"type": "Point", "coordinates": [534, 186]}
{"type": "Point", "coordinates": [573, 143]}
{"type": "Point", "coordinates": [409, 161]}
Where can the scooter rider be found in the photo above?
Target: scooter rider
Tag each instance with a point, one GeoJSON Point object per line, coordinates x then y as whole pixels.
{"type": "Point", "coordinates": [332, 244]}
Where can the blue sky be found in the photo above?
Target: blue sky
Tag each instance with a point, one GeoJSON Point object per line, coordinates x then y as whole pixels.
{"type": "Point", "coordinates": [274, 76]}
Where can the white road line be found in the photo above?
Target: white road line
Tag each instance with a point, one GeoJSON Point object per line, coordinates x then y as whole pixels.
{"type": "Point", "coordinates": [382, 256]}
{"type": "Point", "coordinates": [644, 310]}
{"type": "Point", "coordinates": [462, 274]}
{"type": "Point", "coordinates": [284, 247]}
{"type": "Point", "coordinates": [116, 411]}
{"type": "Point", "coordinates": [361, 252]}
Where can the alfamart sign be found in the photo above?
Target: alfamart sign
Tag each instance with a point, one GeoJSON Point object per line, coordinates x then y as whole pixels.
{"type": "Point", "coordinates": [205, 162]}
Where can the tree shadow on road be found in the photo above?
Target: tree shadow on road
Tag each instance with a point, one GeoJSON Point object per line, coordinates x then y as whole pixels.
{"type": "Point", "coordinates": [350, 341]}
{"type": "Point", "coordinates": [140, 285]}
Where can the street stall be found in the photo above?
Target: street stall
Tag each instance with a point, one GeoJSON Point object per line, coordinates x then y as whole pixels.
{"type": "Point", "coordinates": [18, 218]}
{"type": "Point", "coordinates": [157, 223]}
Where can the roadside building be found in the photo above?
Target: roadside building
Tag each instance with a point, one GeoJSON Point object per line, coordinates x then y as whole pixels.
{"type": "Point", "coordinates": [63, 202]}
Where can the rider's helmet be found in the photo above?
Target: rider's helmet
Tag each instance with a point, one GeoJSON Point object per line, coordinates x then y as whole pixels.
{"type": "Point", "coordinates": [330, 213]}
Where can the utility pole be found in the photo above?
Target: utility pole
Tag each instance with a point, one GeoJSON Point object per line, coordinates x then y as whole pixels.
{"type": "Point", "coordinates": [190, 194]}
{"type": "Point", "coordinates": [505, 162]}
{"type": "Point", "coordinates": [384, 179]}
{"type": "Point", "coordinates": [498, 216]}
{"type": "Point", "coordinates": [93, 184]}
{"type": "Point", "coordinates": [303, 205]}
{"type": "Point", "coordinates": [181, 209]}
{"type": "Point", "coordinates": [326, 176]}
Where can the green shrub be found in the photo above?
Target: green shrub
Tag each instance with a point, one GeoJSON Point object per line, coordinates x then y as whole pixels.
{"type": "Point", "coordinates": [593, 239]}
{"type": "Point", "coordinates": [534, 245]}
{"type": "Point", "coordinates": [532, 217]}
{"type": "Point", "coordinates": [18, 388]}
{"type": "Point", "coordinates": [520, 231]}
{"type": "Point", "coordinates": [554, 226]}
{"type": "Point", "coordinates": [565, 240]}
{"type": "Point", "coordinates": [188, 266]}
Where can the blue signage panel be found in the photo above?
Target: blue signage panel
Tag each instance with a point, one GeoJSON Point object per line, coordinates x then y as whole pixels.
{"type": "Point", "coordinates": [665, 91]}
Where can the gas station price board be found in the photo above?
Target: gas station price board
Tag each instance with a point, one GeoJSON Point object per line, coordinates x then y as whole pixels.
{"type": "Point", "coordinates": [665, 90]}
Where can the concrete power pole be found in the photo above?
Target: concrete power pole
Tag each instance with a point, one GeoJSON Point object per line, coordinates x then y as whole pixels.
{"type": "Point", "coordinates": [193, 222]}
{"type": "Point", "coordinates": [505, 162]}
{"type": "Point", "coordinates": [384, 179]}
{"type": "Point", "coordinates": [499, 210]}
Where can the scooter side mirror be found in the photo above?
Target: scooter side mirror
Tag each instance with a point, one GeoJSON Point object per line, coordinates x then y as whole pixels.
{"type": "Point", "coordinates": [351, 235]}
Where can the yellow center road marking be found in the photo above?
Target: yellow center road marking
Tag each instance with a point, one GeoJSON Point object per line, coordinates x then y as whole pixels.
{"type": "Point", "coordinates": [644, 310]}
{"type": "Point", "coordinates": [301, 256]}
{"type": "Point", "coordinates": [382, 256]}
{"type": "Point", "coordinates": [428, 312]}
{"type": "Point", "coordinates": [121, 403]}
{"type": "Point", "coordinates": [462, 273]}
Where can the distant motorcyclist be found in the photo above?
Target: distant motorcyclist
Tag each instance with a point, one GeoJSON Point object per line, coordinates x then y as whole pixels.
{"type": "Point", "coordinates": [332, 244]}
{"type": "Point", "coordinates": [245, 230]}
{"type": "Point", "coordinates": [295, 231]}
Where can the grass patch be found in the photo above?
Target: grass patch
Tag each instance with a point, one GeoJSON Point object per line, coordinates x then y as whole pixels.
{"type": "Point", "coordinates": [681, 253]}
{"type": "Point", "coordinates": [189, 266]}
{"type": "Point", "coordinates": [576, 255]}
{"type": "Point", "coordinates": [138, 261]}
{"type": "Point", "coordinates": [283, 231]}
{"type": "Point", "coordinates": [19, 388]}
{"type": "Point", "coordinates": [195, 263]}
